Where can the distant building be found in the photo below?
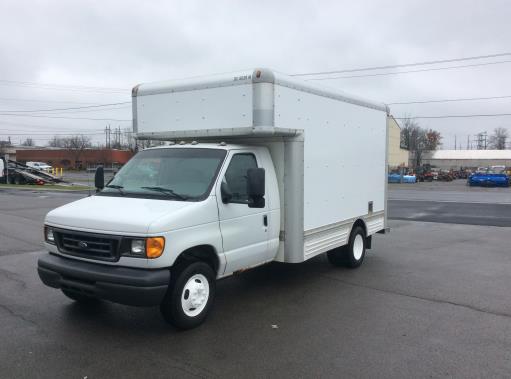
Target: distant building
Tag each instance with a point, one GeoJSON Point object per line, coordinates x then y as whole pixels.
{"type": "Point", "coordinates": [65, 158]}
{"type": "Point", "coordinates": [397, 156]}
{"type": "Point", "coordinates": [454, 159]}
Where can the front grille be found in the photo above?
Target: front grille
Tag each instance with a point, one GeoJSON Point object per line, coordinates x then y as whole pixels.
{"type": "Point", "coordinates": [88, 245]}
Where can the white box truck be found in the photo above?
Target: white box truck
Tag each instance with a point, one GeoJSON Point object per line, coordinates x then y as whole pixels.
{"type": "Point", "coordinates": [256, 167]}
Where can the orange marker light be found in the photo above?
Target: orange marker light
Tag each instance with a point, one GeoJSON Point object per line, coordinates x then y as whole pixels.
{"type": "Point", "coordinates": [154, 247]}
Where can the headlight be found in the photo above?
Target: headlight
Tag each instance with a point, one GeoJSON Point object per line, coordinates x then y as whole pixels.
{"type": "Point", "coordinates": [48, 235]}
{"type": "Point", "coordinates": [138, 247]}
{"type": "Point", "coordinates": [150, 247]}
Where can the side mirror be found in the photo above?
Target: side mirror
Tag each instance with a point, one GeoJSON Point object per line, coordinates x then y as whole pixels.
{"type": "Point", "coordinates": [225, 192]}
{"type": "Point", "coordinates": [99, 178]}
{"type": "Point", "coordinates": [256, 187]}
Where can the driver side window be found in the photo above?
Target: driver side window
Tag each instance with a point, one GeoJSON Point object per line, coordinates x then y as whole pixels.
{"type": "Point", "coordinates": [236, 176]}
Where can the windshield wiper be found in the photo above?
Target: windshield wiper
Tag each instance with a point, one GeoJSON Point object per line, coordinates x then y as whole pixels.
{"type": "Point", "coordinates": [115, 186]}
{"type": "Point", "coordinates": [167, 191]}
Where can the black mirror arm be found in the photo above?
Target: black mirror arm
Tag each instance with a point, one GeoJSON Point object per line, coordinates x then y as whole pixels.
{"type": "Point", "coordinates": [99, 179]}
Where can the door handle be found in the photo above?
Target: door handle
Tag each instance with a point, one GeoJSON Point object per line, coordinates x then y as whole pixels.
{"type": "Point", "coordinates": [265, 220]}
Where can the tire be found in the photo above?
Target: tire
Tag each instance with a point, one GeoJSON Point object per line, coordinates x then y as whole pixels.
{"type": "Point", "coordinates": [352, 255]}
{"type": "Point", "coordinates": [190, 295]}
{"type": "Point", "coordinates": [80, 298]}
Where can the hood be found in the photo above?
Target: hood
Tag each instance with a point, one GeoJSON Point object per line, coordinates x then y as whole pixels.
{"type": "Point", "coordinates": [120, 215]}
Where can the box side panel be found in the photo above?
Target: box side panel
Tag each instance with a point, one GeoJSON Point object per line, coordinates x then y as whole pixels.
{"type": "Point", "coordinates": [345, 145]}
{"type": "Point", "coordinates": [207, 108]}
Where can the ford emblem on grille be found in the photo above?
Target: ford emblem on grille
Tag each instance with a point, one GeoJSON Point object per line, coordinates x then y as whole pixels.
{"type": "Point", "coordinates": [83, 244]}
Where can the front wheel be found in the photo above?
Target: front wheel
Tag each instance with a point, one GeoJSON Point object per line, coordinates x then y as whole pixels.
{"type": "Point", "coordinates": [190, 295]}
{"type": "Point", "coordinates": [352, 255]}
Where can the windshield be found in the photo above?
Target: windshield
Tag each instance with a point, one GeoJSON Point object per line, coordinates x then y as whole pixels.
{"type": "Point", "coordinates": [174, 173]}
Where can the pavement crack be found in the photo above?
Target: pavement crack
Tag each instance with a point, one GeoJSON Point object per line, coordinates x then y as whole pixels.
{"type": "Point", "coordinates": [24, 240]}
{"type": "Point", "coordinates": [13, 277]}
{"type": "Point", "coordinates": [16, 315]}
{"type": "Point", "coordinates": [429, 299]}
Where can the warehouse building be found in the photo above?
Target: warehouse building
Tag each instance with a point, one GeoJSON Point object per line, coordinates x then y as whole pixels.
{"type": "Point", "coordinates": [397, 156]}
{"type": "Point", "coordinates": [471, 159]}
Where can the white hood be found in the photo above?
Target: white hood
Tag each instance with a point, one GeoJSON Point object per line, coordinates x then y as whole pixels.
{"type": "Point", "coordinates": [121, 215]}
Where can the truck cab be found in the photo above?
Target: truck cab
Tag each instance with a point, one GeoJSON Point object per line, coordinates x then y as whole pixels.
{"type": "Point", "coordinates": [167, 207]}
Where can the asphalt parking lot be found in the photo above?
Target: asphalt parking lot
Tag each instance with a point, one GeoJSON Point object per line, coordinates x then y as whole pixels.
{"type": "Point", "coordinates": [431, 300]}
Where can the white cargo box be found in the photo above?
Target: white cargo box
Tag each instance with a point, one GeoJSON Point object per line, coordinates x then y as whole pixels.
{"type": "Point", "coordinates": [329, 148]}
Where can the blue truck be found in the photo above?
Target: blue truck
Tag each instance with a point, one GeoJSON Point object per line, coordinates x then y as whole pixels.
{"type": "Point", "coordinates": [488, 179]}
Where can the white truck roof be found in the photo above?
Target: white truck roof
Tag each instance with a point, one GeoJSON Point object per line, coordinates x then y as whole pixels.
{"type": "Point", "coordinates": [239, 104]}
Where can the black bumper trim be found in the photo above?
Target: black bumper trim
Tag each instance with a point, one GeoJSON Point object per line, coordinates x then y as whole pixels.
{"type": "Point", "coordinates": [123, 285]}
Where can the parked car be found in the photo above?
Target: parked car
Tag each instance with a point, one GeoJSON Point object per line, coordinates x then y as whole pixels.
{"type": "Point", "coordinates": [39, 166]}
{"type": "Point", "coordinates": [488, 180]}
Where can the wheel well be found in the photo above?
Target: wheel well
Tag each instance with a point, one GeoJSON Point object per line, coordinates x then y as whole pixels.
{"type": "Point", "coordinates": [360, 223]}
{"type": "Point", "coordinates": [205, 253]}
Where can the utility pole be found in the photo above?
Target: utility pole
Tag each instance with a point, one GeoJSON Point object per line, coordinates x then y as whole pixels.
{"type": "Point", "coordinates": [468, 142]}
{"type": "Point", "coordinates": [455, 142]}
{"type": "Point", "coordinates": [482, 141]}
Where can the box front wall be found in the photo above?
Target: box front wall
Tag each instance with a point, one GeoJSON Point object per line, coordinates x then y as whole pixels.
{"type": "Point", "coordinates": [344, 157]}
{"type": "Point", "coordinates": [210, 108]}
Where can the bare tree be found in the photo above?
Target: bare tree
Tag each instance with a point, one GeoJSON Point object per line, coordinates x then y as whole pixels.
{"type": "Point", "coordinates": [433, 139]}
{"type": "Point", "coordinates": [56, 142]}
{"type": "Point", "coordinates": [28, 142]}
{"type": "Point", "coordinates": [418, 140]}
{"type": "Point", "coordinates": [76, 145]}
{"type": "Point", "coordinates": [498, 139]}
{"type": "Point", "coordinates": [409, 134]}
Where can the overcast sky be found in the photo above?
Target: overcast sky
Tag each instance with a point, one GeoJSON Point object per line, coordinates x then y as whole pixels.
{"type": "Point", "coordinates": [117, 44]}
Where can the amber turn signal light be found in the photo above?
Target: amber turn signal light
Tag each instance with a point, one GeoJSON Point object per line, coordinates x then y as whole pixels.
{"type": "Point", "coordinates": [154, 247]}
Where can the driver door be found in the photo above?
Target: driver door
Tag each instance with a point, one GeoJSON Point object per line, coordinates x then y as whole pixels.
{"type": "Point", "coordinates": [244, 230]}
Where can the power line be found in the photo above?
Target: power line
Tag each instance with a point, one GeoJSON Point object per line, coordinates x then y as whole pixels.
{"type": "Point", "coordinates": [60, 86]}
{"type": "Point", "coordinates": [51, 130]}
{"type": "Point", "coordinates": [410, 71]}
{"type": "Point", "coordinates": [8, 99]}
{"type": "Point", "coordinates": [450, 100]}
{"type": "Point", "coordinates": [456, 116]}
{"type": "Point", "coordinates": [51, 134]}
{"type": "Point", "coordinates": [5, 123]}
{"type": "Point", "coordinates": [69, 118]}
{"type": "Point", "coordinates": [65, 109]}
{"type": "Point", "coordinates": [106, 109]}
{"type": "Point", "coordinates": [403, 65]}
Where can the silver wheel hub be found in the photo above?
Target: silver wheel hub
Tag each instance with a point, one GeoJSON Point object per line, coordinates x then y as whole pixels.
{"type": "Point", "coordinates": [358, 247]}
{"type": "Point", "coordinates": [195, 295]}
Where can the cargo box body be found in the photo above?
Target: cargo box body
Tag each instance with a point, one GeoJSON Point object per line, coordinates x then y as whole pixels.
{"type": "Point", "coordinates": [328, 148]}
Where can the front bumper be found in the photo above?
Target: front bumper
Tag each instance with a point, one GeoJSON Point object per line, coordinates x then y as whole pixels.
{"type": "Point", "coordinates": [123, 285]}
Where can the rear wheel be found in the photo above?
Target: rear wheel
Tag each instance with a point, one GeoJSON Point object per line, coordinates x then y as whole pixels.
{"type": "Point", "coordinates": [351, 255]}
{"type": "Point", "coordinates": [190, 295]}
